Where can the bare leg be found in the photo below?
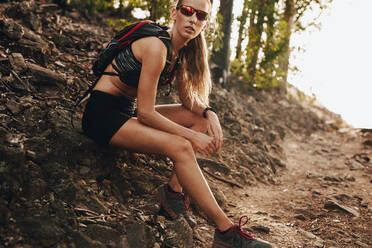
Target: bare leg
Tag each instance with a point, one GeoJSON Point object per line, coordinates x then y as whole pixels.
{"type": "Point", "coordinates": [138, 137]}
{"type": "Point", "coordinates": [186, 118]}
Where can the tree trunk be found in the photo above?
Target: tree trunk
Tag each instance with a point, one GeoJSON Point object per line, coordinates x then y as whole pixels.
{"type": "Point", "coordinates": [288, 17]}
{"type": "Point", "coordinates": [269, 51]}
{"type": "Point", "coordinates": [255, 30]}
{"type": "Point", "coordinates": [243, 20]}
{"type": "Point", "coordinates": [153, 9]}
{"type": "Point", "coordinates": [222, 56]}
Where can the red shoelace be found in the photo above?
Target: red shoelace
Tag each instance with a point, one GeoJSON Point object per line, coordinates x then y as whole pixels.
{"type": "Point", "coordinates": [240, 230]}
{"type": "Point", "coordinates": [183, 198]}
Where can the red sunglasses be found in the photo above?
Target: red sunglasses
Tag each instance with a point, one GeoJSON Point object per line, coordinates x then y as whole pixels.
{"type": "Point", "coordinates": [189, 11]}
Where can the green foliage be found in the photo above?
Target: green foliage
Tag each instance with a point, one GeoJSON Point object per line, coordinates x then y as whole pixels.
{"type": "Point", "coordinates": [118, 24]}
{"type": "Point", "coordinates": [91, 5]}
{"type": "Point", "coordinates": [237, 67]}
{"type": "Point", "coordinates": [214, 35]}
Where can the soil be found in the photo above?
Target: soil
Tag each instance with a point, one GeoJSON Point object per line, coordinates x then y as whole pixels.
{"type": "Point", "coordinates": [318, 171]}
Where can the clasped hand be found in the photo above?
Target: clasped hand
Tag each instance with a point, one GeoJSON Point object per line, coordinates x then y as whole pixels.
{"type": "Point", "coordinates": [213, 141]}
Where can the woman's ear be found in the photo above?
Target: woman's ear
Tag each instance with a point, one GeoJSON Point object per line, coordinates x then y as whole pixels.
{"type": "Point", "coordinates": [173, 14]}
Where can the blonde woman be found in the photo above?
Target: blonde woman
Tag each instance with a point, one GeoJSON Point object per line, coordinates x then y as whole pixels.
{"type": "Point", "coordinates": [124, 114]}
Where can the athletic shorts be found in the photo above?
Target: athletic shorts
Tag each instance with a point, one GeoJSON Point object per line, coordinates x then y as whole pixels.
{"type": "Point", "coordinates": [104, 114]}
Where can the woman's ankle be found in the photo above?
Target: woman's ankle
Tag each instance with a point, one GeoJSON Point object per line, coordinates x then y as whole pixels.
{"type": "Point", "coordinates": [224, 227]}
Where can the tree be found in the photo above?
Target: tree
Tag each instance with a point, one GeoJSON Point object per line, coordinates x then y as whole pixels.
{"type": "Point", "coordinates": [221, 57]}
{"type": "Point", "coordinates": [241, 33]}
{"type": "Point", "coordinates": [288, 17]}
{"type": "Point", "coordinates": [256, 22]}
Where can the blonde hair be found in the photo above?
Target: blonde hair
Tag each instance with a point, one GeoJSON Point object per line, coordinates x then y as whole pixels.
{"type": "Point", "coordinates": [193, 77]}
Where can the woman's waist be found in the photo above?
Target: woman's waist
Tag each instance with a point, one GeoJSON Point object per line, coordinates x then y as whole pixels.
{"type": "Point", "coordinates": [113, 85]}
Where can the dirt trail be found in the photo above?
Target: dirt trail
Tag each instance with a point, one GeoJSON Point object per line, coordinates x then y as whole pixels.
{"type": "Point", "coordinates": [325, 167]}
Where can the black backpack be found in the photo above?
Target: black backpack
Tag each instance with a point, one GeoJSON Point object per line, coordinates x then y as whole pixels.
{"type": "Point", "coordinates": [124, 38]}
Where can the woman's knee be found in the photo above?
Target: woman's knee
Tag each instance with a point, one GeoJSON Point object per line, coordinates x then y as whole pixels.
{"type": "Point", "coordinates": [180, 149]}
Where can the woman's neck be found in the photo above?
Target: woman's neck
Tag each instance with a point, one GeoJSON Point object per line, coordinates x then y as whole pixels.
{"type": "Point", "coordinates": [177, 41]}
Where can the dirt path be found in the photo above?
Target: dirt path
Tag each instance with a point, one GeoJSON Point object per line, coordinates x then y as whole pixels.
{"type": "Point", "coordinates": [323, 170]}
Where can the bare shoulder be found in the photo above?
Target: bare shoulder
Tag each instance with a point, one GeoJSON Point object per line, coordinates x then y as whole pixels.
{"type": "Point", "coordinates": [149, 47]}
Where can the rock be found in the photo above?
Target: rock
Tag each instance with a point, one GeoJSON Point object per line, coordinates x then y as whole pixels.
{"type": "Point", "coordinates": [313, 239]}
{"type": "Point", "coordinates": [43, 229]}
{"type": "Point", "coordinates": [142, 188]}
{"type": "Point", "coordinates": [82, 240]}
{"type": "Point", "coordinates": [305, 212]}
{"type": "Point", "coordinates": [106, 235]}
{"type": "Point", "coordinates": [139, 235]}
{"type": "Point", "coordinates": [361, 244]}
{"type": "Point", "coordinates": [13, 30]}
{"type": "Point", "coordinates": [334, 205]}
{"type": "Point", "coordinates": [18, 62]}
{"type": "Point", "coordinates": [260, 228]}
{"type": "Point", "coordinates": [33, 22]}
{"type": "Point", "coordinates": [14, 107]}
{"type": "Point", "coordinates": [220, 197]}
{"type": "Point", "coordinates": [332, 179]}
{"type": "Point", "coordinates": [4, 213]}
{"type": "Point", "coordinates": [312, 175]}
{"type": "Point", "coordinates": [36, 188]}
{"type": "Point", "coordinates": [214, 166]}
{"type": "Point", "coordinates": [45, 76]}
{"type": "Point", "coordinates": [13, 155]}
{"type": "Point", "coordinates": [367, 143]}
{"type": "Point", "coordinates": [350, 178]}
{"type": "Point", "coordinates": [300, 217]}
{"type": "Point", "coordinates": [331, 243]}
{"type": "Point", "coordinates": [37, 145]}
{"type": "Point", "coordinates": [179, 234]}
{"type": "Point", "coordinates": [84, 170]}
{"type": "Point", "coordinates": [355, 165]}
{"type": "Point", "coordinates": [342, 197]}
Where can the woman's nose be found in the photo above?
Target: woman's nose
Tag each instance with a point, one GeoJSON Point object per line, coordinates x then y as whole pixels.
{"type": "Point", "coordinates": [193, 18]}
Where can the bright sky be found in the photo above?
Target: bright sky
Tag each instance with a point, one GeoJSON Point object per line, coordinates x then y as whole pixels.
{"type": "Point", "coordinates": [336, 64]}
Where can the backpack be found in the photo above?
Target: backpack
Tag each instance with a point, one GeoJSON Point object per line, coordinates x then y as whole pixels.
{"type": "Point", "coordinates": [124, 38]}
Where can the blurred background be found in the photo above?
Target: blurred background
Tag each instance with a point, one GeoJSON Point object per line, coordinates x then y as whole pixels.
{"type": "Point", "coordinates": [322, 47]}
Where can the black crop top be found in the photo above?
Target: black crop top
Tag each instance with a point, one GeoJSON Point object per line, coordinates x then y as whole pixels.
{"type": "Point", "coordinates": [129, 68]}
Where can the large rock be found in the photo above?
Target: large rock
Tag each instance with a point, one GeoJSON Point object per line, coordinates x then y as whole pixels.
{"type": "Point", "coordinates": [139, 235]}
{"type": "Point", "coordinates": [42, 229]}
{"type": "Point", "coordinates": [105, 235]}
{"type": "Point", "coordinates": [179, 234]}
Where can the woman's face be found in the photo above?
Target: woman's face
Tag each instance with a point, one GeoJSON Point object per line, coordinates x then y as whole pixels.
{"type": "Point", "coordinates": [190, 26]}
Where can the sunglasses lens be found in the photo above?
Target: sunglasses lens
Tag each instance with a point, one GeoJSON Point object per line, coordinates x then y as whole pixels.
{"type": "Point", "coordinates": [187, 11]}
{"type": "Point", "coordinates": [201, 15]}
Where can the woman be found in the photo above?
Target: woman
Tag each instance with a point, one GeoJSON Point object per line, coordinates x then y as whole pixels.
{"type": "Point", "coordinates": [176, 131]}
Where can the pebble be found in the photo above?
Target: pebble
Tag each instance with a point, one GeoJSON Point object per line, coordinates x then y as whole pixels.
{"type": "Point", "coordinates": [260, 228]}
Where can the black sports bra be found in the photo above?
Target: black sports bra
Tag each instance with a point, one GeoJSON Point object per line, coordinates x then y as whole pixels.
{"type": "Point", "coordinates": [128, 68]}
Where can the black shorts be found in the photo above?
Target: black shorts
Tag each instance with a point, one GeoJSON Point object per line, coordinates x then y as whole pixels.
{"type": "Point", "coordinates": [104, 114]}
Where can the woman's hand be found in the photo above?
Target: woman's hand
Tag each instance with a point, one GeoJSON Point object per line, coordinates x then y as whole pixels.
{"type": "Point", "coordinates": [204, 143]}
{"type": "Point", "coordinates": [214, 129]}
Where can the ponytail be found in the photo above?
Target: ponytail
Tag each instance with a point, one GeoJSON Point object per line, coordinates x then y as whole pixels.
{"type": "Point", "coordinates": [193, 78]}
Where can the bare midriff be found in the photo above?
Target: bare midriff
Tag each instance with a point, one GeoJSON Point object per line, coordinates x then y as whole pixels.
{"type": "Point", "coordinates": [114, 86]}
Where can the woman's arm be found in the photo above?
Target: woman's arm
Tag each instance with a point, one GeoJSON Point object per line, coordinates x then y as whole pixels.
{"type": "Point", "coordinates": [152, 53]}
{"type": "Point", "coordinates": [214, 126]}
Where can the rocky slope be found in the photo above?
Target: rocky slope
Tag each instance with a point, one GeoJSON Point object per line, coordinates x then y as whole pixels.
{"type": "Point", "coordinates": [59, 189]}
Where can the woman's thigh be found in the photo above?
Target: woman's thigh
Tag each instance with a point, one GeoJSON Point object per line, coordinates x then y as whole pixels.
{"type": "Point", "coordinates": [136, 137]}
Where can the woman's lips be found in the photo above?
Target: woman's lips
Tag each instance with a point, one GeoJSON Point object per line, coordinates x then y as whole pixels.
{"type": "Point", "coordinates": [190, 29]}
